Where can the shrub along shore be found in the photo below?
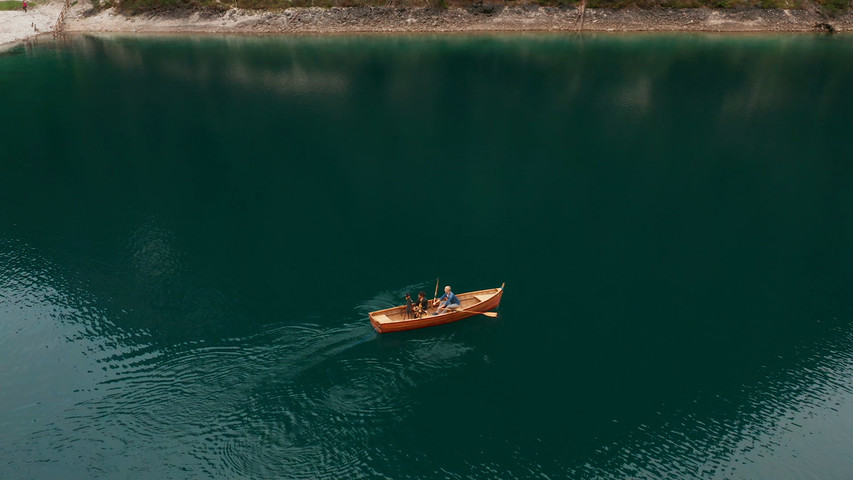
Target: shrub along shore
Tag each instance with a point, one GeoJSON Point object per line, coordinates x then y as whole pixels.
{"type": "Point", "coordinates": [351, 16]}
{"type": "Point", "coordinates": [827, 7]}
{"type": "Point", "coordinates": [425, 16]}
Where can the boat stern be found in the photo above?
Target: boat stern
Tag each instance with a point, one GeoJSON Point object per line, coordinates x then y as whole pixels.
{"type": "Point", "coordinates": [377, 325]}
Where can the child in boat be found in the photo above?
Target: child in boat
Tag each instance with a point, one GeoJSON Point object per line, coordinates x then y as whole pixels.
{"type": "Point", "coordinates": [410, 306]}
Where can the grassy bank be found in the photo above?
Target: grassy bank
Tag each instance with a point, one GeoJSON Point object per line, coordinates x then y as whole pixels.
{"type": "Point", "coordinates": [6, 5]}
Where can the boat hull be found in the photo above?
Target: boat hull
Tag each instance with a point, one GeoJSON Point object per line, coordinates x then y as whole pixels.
{"type": "Point", "coordinates": [473, 303]}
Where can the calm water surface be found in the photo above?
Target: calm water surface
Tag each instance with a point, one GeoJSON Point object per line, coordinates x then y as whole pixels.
{"type": "Point", "coordinates": [193, 230]}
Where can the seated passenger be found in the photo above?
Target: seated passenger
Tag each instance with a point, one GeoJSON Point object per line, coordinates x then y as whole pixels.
{"type": "Point", "coordinates": [422, 306]}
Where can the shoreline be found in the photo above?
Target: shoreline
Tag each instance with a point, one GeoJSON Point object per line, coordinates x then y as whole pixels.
{"type": "Point", "coordinates": [492, 18]}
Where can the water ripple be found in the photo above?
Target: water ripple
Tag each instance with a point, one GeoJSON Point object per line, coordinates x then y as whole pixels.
{"type": "Point", "coordinates": [692, 445]}
{"type": "Point", "coordinates": [266, 403]}
{"type": "Point", "coordinates": [316, 399]}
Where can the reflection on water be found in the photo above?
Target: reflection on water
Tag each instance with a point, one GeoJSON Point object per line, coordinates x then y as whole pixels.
{"type": "Point", "coordinates": [203, 224]}
{"type": "Point", "coordinates": [296, 74]}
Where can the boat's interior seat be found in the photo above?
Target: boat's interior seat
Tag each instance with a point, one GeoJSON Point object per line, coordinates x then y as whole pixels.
{"type": "Point", "coordinates": [382, 318]}
{"type": "Point", "coordinates": [482, 298]}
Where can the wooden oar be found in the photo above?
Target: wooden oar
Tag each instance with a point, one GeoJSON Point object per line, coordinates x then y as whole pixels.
{"type": "Point", "coordinates": [488, 314]}
{"type": "Point", "coordinates": [435, 295]}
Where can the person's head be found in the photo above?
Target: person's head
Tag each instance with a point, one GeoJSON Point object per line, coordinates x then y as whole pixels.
{"type": "Point", "coordinates": [421, 294]}
{"type": "Point", "coordinates": [447, 289]}
{"type": "Point", "coordinates": [408, 295]}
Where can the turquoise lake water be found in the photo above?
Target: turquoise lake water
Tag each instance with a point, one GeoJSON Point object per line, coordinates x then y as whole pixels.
{"type": "Point", "coordinates": [193, 231]}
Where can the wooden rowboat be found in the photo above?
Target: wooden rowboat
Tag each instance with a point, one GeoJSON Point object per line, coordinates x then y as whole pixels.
{"type": "Point", "coordinates": [472, 303]}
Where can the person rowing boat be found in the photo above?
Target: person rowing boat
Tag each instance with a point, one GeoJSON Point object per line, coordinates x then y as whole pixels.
{"type": "Point", "coordinates": [396, 319]}
{"type": "Point", "coordinates": [447, 302]}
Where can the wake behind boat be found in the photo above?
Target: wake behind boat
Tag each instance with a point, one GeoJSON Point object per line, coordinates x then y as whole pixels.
{"type": "Point", "coordinates": [395, 319]}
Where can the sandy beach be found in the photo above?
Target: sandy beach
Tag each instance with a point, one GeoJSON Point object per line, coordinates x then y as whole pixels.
{"type": "Point", "coordinates": [82, 18]}
{"type": "Point", "coordinates": [17, 25]}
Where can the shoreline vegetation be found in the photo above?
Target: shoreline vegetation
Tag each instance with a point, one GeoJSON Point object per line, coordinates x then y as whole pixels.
{"type": "Point", "coordinates": [828, 7]}
{"type": "Point", "coordinates": [424, 16]}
